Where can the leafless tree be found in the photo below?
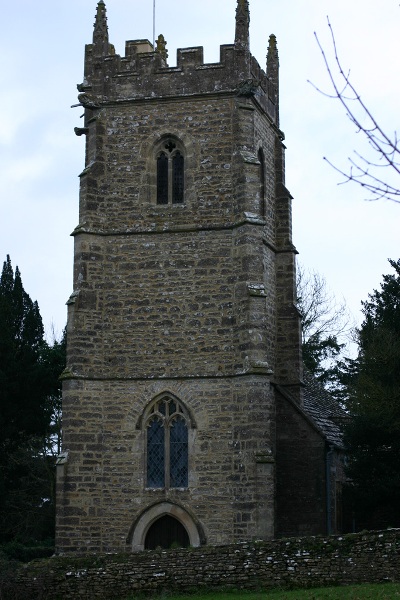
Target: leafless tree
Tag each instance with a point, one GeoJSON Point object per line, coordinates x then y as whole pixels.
{"type": "Point", "coordinates": [327, 327]}
{"type": "Point", "coordinates": [321, 314]}
{"type": "Point", "coordinates": [365, 171]}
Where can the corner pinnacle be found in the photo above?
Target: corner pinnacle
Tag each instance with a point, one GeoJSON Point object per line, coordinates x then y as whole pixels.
{"type": "Point", "coordinates": [273, 71]}
{"type": "Point", "coordinates": [100, 33]}
{"type": "Point", "coordinates": [272, 47]}
{"type": "Point", "coordinates": [242, 37]}
{"type": "Point", "coordinates": [272, 59]}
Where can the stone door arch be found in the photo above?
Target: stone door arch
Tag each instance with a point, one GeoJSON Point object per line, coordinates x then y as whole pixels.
{"type": "Point", "coordinates": [163, 525]}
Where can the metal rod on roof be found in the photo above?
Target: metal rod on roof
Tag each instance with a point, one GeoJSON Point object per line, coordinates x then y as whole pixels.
{"type": "Point", "coordinates": [154, 24]}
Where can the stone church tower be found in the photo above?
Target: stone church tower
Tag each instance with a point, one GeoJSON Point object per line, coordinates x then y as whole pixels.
{"type": "Point", "coordinates": [182, 326]}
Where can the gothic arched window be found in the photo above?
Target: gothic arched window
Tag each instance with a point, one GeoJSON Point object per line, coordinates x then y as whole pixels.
{"type": "Point", "coordinates": [170, 172]}
{"type": "Point", "coordinates": [167, 464]}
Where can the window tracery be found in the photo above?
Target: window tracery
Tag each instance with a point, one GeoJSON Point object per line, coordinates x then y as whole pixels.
{"type": "Point", "coordinates": [166, 428]}
{"type": "Point", "coordinates": [170, 165]}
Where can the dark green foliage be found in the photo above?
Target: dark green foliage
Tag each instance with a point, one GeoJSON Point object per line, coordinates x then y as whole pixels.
{"type": "Point", "coordinates": [29, 414]}
{"type": "Point", "coordinates": [16, 551]}
{"type": "Point", "coordinates": [21, 340]}
{"type": "Point", "coordinates": [319, 355]}
{"type": "Point", "coordinates": [373, 436]}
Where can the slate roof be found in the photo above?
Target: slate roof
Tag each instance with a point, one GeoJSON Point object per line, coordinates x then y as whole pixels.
{"type": "Point", "coordinates": [324, 410]}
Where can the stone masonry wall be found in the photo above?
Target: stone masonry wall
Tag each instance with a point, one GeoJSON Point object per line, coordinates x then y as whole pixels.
{"type": "Point", "coordinates": [103, 488]}
{"type": "Point", "coordinates": [302, 563]}
{"type": "Point", "coordinates": [172, 299]}
{"type": "Point", "coordinates": [301, 477]}
{"type": "Point", "coordinates": [162, 290]}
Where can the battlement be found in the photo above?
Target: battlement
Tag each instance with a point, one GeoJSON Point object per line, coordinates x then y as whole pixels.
{"type": "Point", "coordinates": [138, 47]}
{"type": "Point", "coordinates": [144, 73]}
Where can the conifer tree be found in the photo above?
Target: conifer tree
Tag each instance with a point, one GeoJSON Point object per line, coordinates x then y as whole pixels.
{"type": "Point", "coordinates": [29, 401]}
{"type": "Point", "coordinates": [22, 410]}
{"type": "Point", "coordinates": [373, 436]}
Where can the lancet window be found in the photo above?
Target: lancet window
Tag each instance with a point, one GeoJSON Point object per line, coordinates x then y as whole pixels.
{"type": "Point", "coordinates": [170, 164]}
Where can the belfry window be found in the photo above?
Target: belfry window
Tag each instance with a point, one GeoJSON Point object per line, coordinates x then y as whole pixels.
{"type": "Point", "coordinates": [261, 176]}
{"type": "Point", "coordinates": [170, 173]}
{"type": "Point", "coordinates": [162, 179]}
{"type": "Point", "coordinates": [177, 178]}
{"type": "Point", "coordinates": [167, 445]}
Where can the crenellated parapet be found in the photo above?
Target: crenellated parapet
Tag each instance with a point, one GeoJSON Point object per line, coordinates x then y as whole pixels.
{"type": "Point", "coordinates": [143, 73]}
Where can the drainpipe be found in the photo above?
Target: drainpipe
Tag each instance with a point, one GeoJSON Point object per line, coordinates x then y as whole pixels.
{"type": "Point", "coordinates": [328, 490]}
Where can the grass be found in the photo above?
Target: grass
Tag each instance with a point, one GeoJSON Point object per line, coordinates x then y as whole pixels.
{"type": "Point", "coordinates": [384, 591]}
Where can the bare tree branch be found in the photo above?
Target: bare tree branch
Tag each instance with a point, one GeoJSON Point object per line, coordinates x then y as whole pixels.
{"type": "Point", "coordinates": [321, 314]}
{"type": "Point", "coordinates": [386, 149]}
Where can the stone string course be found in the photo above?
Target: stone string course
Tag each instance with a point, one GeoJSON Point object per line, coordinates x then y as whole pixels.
{"type": "Point", "coordinates": [303, 563]}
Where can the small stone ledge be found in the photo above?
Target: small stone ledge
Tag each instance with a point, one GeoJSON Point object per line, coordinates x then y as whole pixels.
{"type": "Point", "coordinates": [260, 367]}
{"type": "Point", "coordinates": [87, 169]}
{"type": "Point", "coordinates": [256, 289]}
{"type": "Point", "coordinates": [249, 158]}
{"type": "Point", "coordinates": [264, 458]}
{"type": "Point", "coordinates": [73, 298]}
{"type": "Point", "coordinates": [253, 218]}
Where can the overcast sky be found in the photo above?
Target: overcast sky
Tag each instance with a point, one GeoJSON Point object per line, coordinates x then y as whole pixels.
{"type": "Point", "coordinates": [337, 233]}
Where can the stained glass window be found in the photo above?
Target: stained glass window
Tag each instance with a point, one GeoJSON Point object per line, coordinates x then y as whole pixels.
{"type": "Point", "coordinates": [167, 445]}
{"type": "Point", "coordinates": [178, 457]}
{"type": "Point", "coordinates": [156, 454]}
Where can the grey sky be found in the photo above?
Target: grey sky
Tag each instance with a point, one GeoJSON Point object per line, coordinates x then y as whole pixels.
{"type": "Point", "coordinates": [336, 232]}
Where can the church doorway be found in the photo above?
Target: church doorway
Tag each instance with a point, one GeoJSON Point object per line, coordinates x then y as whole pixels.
{"type": "Point", "coordinates": [164, 525]}
{"type": "Point", "coordinates": [166, 532]}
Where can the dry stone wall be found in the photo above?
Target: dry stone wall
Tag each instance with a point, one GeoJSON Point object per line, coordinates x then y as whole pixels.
{"type": "Point", "coordinates": [302, 563]}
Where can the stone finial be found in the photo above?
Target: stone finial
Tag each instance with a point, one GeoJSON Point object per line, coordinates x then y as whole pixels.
{"type": "Point", "coordinates": [273, 60]}
{"type": "Point", "coordinates": [242, 37]}
{"type": "Point", "coordinates": [100, 32]}
{"type": "Point", "coordinates": [161, 47]}
{"type": "Point", "coordinates": [273, 71]}
{"type": "Point", "coordinates": [272, 55]}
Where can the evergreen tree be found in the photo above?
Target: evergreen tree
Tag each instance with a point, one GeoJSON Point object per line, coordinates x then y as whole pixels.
{"type": "Point", "coordinates": [29, 403]}
{"type": "Point", "coordinates": [22, 402]}
{"type": "Point", "coordinates": [373, 437]}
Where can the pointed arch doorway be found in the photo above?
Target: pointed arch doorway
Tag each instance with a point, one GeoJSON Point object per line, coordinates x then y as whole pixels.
{"type": "Point", "coordinates": [164, 525]}
{"type": "Point", "coordinates": [166, 532]}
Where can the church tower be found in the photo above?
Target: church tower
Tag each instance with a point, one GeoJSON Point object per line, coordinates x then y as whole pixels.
{"type": "Point", "coordinates": [182, 323]}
